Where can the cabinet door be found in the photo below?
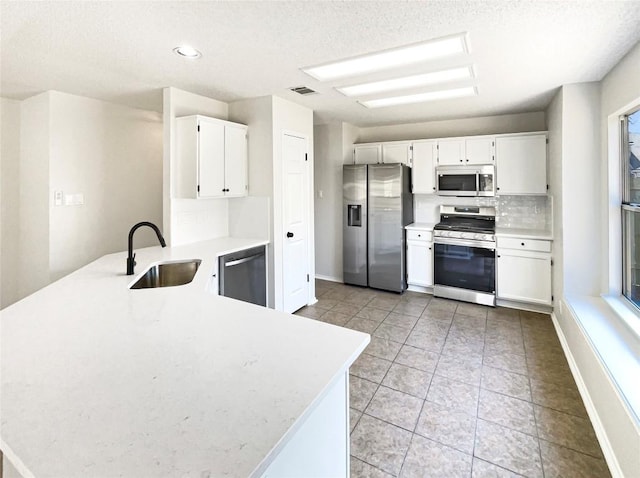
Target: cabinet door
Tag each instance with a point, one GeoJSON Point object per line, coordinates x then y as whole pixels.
{"type": "Point", "coordinates": [210, 159]}
{"type": "Point", "coordinates": [420, 263]}
{"type": "Point", "coordinates": [368, 153]}
{"type": "Point", "coordinates": [521, 164]}
{"type": "Point", "coordinates": [479, 150]}
{"type": "Point", "coordinates": [396, 153]}
{"type": "Point", "coordinates": [424, 162]}
{"type": "Point", "coordinates": [451, 151]}
{"type": "Point", "coordinates": [235, 161]}
{"type": "Point", "coordinates": [524, 277]}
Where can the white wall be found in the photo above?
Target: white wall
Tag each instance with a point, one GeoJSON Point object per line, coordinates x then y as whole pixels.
{"type": "Point", "coordinates": [620, 90]}
{"type": "Point", "coordinates": [268, 119]}
{"type": "Point", "coordinates": [189, 220]}
{"type": "Point", "coordinates": [587, 241]}
{"type": "Point", "coordinates": [257, 114]}
{"type": "Point", "coordinates": [109, 153]}
{"type": "Point", "coordinates": [581, 183]}
{"type": "Point", "coordinates": [33, 268]}
{"type": "Point", "coordinates": [112, 155]}
{"type": "Point", "coordinates": [9, 200]}
{"type": "Point", "coordinates": [515, 123]}
{"type": "Point", "coordinates": [554, 127]}
{"type": "Point", "coordinates": [328, 201]}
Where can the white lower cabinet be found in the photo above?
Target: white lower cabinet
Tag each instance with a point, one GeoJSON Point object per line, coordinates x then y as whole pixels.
{"type": "Point", "coordinates": [419, 258]}
{"type": "Point", "coordinates": [320, 446]}
{"type": "Point", "coordinates": [523, 270]}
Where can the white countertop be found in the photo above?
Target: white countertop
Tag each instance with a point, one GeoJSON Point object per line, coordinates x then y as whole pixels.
{"type": "Point", "coordinates": [100, 380]}
{"type": "Point", "coordinates": [541, 234]}
{"type": "Point", "coordinates": [421, 226]}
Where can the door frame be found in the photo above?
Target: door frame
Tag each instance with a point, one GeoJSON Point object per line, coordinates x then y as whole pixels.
{"type": "Point", "coordinates": [278, 237]}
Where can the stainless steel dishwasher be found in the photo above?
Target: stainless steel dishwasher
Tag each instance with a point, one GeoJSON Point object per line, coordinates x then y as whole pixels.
{"type": "Point", "coordinates": [242, 275]}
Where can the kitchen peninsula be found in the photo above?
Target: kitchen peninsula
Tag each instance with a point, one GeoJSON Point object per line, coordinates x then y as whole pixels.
{"type": "Point", "coordinates": [102, 380]}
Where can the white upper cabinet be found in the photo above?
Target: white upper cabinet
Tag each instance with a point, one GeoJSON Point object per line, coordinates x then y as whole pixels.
{"type": "Point", "coordinates": [367, 153]}
{"type": "Point", "coordinates": [451, 151]}
{"type": "Point", "coordinates": [423, 172]}
{"type": "Point", "coordinates": [211, 158]}
{"type": "Point", "coordinates": [521, 164]}
{"type": "Point", "coordinates": [389, 152]}
{"type": "Point", "coordinates": [479, 150]}
{"type": "Point", "coordinates": [468, 150]}
{"type": "Point", "coordinates": [397, 152]}
{"type": "Point", "coordinates": [235, 160]}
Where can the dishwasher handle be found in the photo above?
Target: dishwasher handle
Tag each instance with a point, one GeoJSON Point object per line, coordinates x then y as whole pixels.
{"type": "Point", "coordinates": [243, 260]}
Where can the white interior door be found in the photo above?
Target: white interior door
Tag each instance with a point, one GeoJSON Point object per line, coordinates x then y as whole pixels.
{"type": "Point", "coordinates": [295, 255]}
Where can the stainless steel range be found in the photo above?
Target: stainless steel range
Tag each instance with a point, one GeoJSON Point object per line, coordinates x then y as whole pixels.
{"type": "Point", "coordinates": [465, 254]}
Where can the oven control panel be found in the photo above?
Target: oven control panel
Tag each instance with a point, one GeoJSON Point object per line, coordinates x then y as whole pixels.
{"type": "Point", "coordinates": [465, 235]}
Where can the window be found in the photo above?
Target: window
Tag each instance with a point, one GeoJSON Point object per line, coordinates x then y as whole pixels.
{"type": "Point", "coordinates": [630, 147]}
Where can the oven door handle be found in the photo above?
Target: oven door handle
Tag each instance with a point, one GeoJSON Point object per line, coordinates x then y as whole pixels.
{"type": "Point", "coordinates": [477, 183]}
{"type": "Point", "coordinates": [461, 242]}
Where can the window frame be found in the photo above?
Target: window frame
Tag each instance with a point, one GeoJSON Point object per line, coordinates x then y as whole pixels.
{"type": "Point", "coordinates": [626, 205]}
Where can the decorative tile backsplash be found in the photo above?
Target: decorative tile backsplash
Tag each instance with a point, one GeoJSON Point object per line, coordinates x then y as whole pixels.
{"type": "Point", "coordinates": [527, 212]}
{"type": "Point", "coordinates": [515, 212]}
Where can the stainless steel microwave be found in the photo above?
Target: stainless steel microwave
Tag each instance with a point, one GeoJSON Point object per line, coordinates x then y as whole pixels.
{"type": "Point", "coordinates": [466, 180]}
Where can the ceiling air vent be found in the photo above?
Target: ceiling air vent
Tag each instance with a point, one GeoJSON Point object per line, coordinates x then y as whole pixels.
{"type": "Point", "coordinates": [303, 90]}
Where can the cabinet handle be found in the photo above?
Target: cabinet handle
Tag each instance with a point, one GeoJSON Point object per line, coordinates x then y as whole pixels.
{"type": "Point", "coordinates": [497, 189]}
{"type": "Point", "coordinates": [498, 256]}
{"type": "Point", "coordinates": [467, 160]}
{"type": "Point", "coordinates": [419, 235]}
{"type": "Point", "coordinates": [522, 243]}
{"type": "Point", "coordinates": [289, 234]}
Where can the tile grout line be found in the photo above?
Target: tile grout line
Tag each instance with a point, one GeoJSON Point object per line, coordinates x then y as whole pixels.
{"type": "Point", "coordinates": [535, 419]}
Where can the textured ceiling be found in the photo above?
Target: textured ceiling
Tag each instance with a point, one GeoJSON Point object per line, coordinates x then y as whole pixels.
{"type": "Point", "coordinates": [122, 51]}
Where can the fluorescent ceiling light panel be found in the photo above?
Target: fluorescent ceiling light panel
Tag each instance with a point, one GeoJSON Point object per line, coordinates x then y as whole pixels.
{"type": "Point", "coordinates": [421, 97]}
{"type": "Point", "coordinates": [408, 82]}
{"type": "Point", "coordinates": [411, 54]}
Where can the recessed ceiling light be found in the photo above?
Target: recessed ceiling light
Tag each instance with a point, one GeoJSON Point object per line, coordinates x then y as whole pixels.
{"type": "Point", "coordinates": [407, 82]}
{"type": "Point", "coordinates": [421, 97]}
{"type": "Point", "coordinates": [407, 55]}
{"type": "Point", "coordinates": [187, 52]}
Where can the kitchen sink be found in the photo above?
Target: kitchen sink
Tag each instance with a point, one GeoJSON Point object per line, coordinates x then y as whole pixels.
{"type": "Point", "coordinates": [168, 274]}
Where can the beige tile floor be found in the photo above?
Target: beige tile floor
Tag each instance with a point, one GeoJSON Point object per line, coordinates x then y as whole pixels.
{"type": "Point", "coordinates": [448, 389]}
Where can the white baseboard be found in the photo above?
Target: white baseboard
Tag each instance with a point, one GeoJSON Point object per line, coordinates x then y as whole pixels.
{"type": "Point", "coordinates": [329, 278]}
{"type": "Point", "coordinates": [601, 433]}
{"type": "Point", "coordinates": [419, 288]}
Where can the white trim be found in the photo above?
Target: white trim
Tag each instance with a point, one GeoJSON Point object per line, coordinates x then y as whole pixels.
{"type": "Point", "coordinates": [601, 434]}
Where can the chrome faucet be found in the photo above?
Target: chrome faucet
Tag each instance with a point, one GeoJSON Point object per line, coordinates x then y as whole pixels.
{"type": "Point", "coordinates": [131, 263]}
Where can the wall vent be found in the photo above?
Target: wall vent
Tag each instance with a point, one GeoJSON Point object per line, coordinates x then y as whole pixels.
{"type": "Point", "coordinates": [303, 90]}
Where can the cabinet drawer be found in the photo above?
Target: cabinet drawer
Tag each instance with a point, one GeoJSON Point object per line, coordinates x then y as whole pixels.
{"type": "Point", "coordinates": [524, 244]}
{"type": "Point", "coordinates": [416, 235]}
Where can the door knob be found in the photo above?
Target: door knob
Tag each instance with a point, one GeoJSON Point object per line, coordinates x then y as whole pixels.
{"type": "Point", "coordinates": [289, 234]}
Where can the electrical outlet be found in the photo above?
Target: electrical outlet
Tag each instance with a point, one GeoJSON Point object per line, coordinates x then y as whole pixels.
{"type": "Point", "coordinates": [57, 198]}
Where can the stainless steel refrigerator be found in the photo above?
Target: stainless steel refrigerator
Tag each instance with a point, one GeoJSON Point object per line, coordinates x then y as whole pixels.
{"type": "Point", "coordinates": [378, 204]}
